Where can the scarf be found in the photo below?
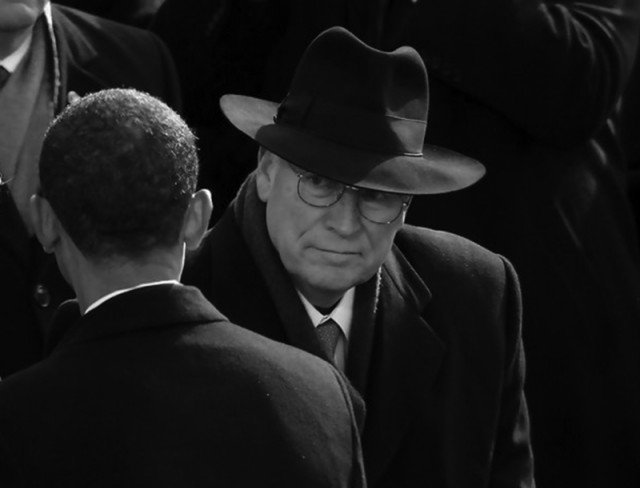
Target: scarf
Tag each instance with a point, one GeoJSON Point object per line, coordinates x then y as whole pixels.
{"type": "Point", "coordinates": [250, 214]}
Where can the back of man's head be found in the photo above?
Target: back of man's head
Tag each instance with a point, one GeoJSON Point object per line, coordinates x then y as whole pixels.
{"type": "Point", "coordinates": [119, 167]}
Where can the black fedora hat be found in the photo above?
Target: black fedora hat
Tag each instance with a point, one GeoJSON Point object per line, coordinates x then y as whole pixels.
{"type": "Point", "coordinates": [357, 115]}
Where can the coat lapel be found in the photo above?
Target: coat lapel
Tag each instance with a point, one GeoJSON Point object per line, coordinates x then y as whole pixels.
{"type": "Point", "coordinates": [362, 333]}
{"type": "Point", "coordinates": [406, 354]}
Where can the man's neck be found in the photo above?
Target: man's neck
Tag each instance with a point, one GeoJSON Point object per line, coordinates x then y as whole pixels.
{"type": "Point", "coordinates": [325, 310]}
{"type": "Point", "coordinates": [116, 283]}
{"type": "Point", "coordinates": [11, 41]}
{"type": "Point", "coordinates": [96, 280]}
{"type": "Point", "coordinates": [322, 301]}
{"type": "Point", "coordinates": [319, 298]}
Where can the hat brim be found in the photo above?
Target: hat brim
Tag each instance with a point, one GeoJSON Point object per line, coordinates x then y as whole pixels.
{"type": "Point", "coordinates": [438, 170]}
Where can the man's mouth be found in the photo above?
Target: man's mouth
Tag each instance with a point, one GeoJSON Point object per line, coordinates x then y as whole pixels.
{"type": "Point", "coordinates": [337, 252]}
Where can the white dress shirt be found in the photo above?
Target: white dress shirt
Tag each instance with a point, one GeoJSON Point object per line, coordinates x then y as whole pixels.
{"type": "Point", "coordinates": [342, 314]}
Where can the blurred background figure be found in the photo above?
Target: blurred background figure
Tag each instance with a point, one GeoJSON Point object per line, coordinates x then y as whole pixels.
{"type": "Point", "coordinates": [627, 120]}
{"type": "Point", "coordinates": [529, 89]}
{"type": "Point", "coordinates": [48, 53]}
{"type": "Point", "coordinates": [223, 46]}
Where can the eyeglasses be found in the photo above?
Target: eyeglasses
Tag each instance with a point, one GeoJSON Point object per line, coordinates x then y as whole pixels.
{"type": "Point", "coordinates": [379, 207]}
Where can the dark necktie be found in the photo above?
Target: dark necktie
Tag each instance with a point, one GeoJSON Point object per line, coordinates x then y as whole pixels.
{"type": "Point", "coordinates": [329, 333]}
{"type": "Point", "coordinates": [4, 76]}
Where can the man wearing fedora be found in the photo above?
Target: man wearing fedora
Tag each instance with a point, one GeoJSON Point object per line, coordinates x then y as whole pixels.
{"type": "Point", "coordinates": [313, 252]}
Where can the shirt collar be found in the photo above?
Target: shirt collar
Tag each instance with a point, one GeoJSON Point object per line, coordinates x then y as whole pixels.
{"type": "Point", "coordinates": [341, 314]}
{"type": "Point", "coordinates": [11, 62]}
{"type": "Point", "coordinates": [108, 296]}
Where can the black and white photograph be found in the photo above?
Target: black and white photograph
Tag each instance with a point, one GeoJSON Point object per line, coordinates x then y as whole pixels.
{"type": "Point", "coordinates": [334, 244]}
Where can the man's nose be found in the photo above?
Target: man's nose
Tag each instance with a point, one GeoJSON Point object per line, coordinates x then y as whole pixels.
{"type": "Point", "coordinates": [344, 216]}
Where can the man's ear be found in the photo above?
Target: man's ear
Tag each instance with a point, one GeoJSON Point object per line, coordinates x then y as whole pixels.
{"type": "Point", "coordinates": [265, 173]}
{"type": "Point", "coordinates": [45, 222]}
{"type": "Point", "coordinates": [196, 219]}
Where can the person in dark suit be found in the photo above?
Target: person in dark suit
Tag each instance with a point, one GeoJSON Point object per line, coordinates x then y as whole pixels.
{"type": "Point", "coordinates": [313, 253]}
{"type": "Point", "coordinates": [149, 384]}
{"type": "Point", "coordinates": [51, 51]}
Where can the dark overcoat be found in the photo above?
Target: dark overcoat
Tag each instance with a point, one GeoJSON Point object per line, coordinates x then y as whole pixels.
{"type": "Point", "coordinates": [441, 369]}
{"type": "Point", "coordinates": [94, 54]}
{"type": "Point", "coordinates": [156, 388]}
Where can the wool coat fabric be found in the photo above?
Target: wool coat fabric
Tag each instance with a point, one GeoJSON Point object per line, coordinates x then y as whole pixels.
{"type": "Point", "coordinates": [93, 54]}
{"type": "Point", "coordinates": [155, 388]}
{"type": "Point", "coordinates": [440, 367]}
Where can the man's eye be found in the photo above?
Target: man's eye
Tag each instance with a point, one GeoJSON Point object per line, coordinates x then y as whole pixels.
{"type": "Point", "coordinates": [319, 181]}
{"type": "Point", "coordinates": [376, 196]}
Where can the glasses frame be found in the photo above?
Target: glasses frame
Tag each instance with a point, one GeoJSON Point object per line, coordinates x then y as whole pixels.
{"type": "Point", "coordinates": [300, 175]}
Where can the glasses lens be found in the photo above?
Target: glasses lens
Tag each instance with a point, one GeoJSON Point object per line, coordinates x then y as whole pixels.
{"type": "Point", "coordinates": [319, 191]}
{"type": "Point", "coordinates": [380, 206]}
{"type": "Point", "coordinates": [377, 206]}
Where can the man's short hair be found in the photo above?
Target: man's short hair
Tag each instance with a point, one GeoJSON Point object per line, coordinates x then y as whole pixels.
{"type": "Point", "coordinates": [118, 168]}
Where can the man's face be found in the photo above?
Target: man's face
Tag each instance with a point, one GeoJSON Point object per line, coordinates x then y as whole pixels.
{"type": "Point", "coordinates": [18, 15]}
{"type": "Point", "coordinates": [325, 250]}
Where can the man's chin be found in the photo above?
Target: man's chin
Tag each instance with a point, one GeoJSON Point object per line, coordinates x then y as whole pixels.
{"type": "Point", "coordinates": [337, 281]}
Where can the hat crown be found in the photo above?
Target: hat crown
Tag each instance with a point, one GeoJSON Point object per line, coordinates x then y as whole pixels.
{"type": "Point", "coordinates": [350, 93]}
{"type": "Point", "coordinates": [339, 67]}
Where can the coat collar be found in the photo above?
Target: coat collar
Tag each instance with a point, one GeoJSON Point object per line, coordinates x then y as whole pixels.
{"type": "Point", "coordinates": [144, 308]}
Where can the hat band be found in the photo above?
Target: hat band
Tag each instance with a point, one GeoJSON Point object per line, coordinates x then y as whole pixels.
{"type": "Point", "coordinates": [359, 129]}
